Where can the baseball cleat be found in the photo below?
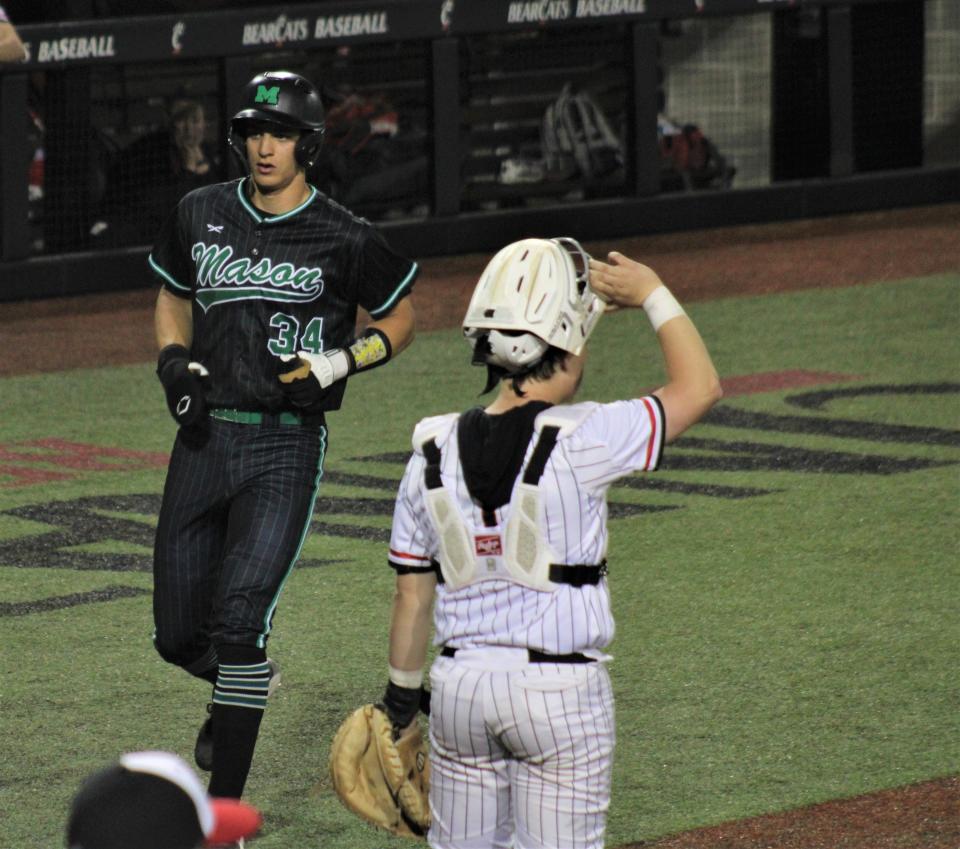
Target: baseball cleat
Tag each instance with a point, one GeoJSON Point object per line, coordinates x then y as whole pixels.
{"type": "Point", "coordinates": [203, 748]}
{"type": "Point", "coordinates": [274, 676]}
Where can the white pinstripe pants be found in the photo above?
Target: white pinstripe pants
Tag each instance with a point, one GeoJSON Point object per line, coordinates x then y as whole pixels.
{"type": "Point", "coordinates": [521, 753]}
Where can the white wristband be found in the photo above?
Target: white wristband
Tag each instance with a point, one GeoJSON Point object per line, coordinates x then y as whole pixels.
{"type": "Point", "coordinates": [403, 678]}
{"type": "Point", "coordinates": [327, 367]}
{"type": "Point", "coordinates": [340, 360]}
{"type": "Point", "coordinates": [660, 306]}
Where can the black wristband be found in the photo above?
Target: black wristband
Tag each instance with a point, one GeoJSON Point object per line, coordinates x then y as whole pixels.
{"type": "Point", "coordinates": [369, 350]}
{"type": "Point", "coordinates": [168, 354]}
{"type": "Point", "coordinates": [376, 331]}
{"type": "Point", "coordinates": [401, 704]}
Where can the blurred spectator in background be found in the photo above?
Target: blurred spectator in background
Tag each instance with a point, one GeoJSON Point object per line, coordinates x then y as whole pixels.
{"type": "Point", "coordinates": [153, 173]}
{"type": "Point", "coordinates": [191, 156]}
{"type": "Point", "coordinates": [373, 161]}
{"type": "Point", "coordinates": [11, 47]}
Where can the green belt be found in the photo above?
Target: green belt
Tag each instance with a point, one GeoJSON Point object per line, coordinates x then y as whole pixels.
{"type": "Point", "coordinates": [254, 418]}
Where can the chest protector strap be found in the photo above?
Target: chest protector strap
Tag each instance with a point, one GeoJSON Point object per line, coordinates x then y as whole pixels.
{"type": "Point", "coordinates": [524, 555]}
{"type": "Point", "coordinates": [456, 547]}
{"type": "Point", "coordinates": [527, 549]}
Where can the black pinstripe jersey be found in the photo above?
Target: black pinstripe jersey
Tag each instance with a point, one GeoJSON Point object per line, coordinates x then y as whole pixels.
{"type": "Point", "coordinates": [264, 285]}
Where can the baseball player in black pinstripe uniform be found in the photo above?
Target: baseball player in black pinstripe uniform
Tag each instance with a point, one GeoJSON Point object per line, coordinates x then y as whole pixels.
{"type": "Point", "coordinates": [255, 322]}
{"type": "Point", "coordinates": [500, 526]}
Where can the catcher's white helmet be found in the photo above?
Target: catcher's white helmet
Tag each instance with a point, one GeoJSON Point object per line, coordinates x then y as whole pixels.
{"type": "Point", "coordinates": [533, 294]}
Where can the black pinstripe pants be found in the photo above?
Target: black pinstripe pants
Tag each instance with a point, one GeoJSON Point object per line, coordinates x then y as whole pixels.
{"type": "Point", "coordinates": [236, 510]}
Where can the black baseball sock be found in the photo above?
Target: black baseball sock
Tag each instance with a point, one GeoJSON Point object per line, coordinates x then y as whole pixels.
{"type": "Point", "coordinates": [239, 698]}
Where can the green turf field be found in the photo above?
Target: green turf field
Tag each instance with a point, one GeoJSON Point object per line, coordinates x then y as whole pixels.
{"type": "Point", "coordinates": [786, 586]}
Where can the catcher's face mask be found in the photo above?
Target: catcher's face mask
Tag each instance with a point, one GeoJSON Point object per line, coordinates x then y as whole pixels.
{"type": "Point", "coordinates": [533, 294]}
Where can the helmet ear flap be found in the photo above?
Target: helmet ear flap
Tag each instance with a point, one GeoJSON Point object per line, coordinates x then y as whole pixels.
{"type": "Point", "coordinates": [507, 350]}
{"type": "Point", "coordinates": [308, 147]}
{"type": "Point", "coordinates": [504, 353]}
{"type": "Point", "coordinates": [237, 144]}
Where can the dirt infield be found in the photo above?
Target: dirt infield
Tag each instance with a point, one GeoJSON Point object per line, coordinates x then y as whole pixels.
{"type": "Point", "coordinates": [921, 816]}
{"type": "Point", "coordinates": [117, 328]}
{"type": "Point", "coordinates": [110, 329]}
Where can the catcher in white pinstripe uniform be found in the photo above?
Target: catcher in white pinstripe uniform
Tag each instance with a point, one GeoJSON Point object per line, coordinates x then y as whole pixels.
{"type": "Point", "coordinates": [500, 528]}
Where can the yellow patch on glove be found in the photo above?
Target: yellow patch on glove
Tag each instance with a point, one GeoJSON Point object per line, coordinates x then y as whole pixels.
{"type": "Point", "coordinates": [382, 780]}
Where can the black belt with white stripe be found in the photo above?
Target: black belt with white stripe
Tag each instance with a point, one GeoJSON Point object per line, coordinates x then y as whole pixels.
{"type": "Point", "coordinates": [537, 656]}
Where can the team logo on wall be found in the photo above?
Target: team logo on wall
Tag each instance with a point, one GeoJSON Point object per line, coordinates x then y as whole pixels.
{"type": "Point", "coordinates": [176, 37]}
{"type": "Point", "coordinates": [446, 14]}
{"type": "Point", "coordinates": [222, 279]}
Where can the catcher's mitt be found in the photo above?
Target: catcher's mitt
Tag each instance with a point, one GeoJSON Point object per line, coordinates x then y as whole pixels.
{"type": "Point", "coordinates": [383, 780]}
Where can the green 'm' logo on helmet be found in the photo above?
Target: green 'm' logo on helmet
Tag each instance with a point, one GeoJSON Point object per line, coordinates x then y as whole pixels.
{"type": "Point", "coordinates": [267, 95]}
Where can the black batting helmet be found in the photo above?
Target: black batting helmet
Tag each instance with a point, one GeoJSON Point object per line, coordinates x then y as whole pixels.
{"type": "Point", "coordinates": [285, 98]}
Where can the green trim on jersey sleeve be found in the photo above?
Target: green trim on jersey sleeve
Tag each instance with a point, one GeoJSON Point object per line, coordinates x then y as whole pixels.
{"type": "Point", "coordinates": [389, 302]}
{"type": "Point", "coordinates": [158, 270]}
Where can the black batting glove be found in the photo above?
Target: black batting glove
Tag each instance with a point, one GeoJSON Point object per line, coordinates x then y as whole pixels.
{"type": "Point", "coordinates": [401, 704]}
{"type": "Point", "coordinates": [306, 378]}
{"type": "Point", "coordinates": [182, 383]}
{"type": "Point", "coordinates": [299, 383]}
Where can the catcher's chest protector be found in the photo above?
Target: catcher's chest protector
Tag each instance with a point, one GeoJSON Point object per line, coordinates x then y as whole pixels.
{"type": "Point", "coordinates": [518, 551]}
